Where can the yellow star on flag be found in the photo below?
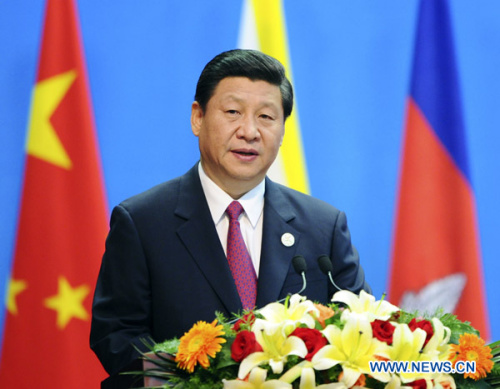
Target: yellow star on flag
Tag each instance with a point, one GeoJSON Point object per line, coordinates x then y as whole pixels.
{"type": "Point", "coordinates": [15, 287]}
{"type": "Point", "coordinates": [68, 302]}
{"type": "Point", "coordinates": [43, 141]}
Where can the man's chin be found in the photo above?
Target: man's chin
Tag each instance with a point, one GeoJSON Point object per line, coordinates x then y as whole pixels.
{"type": "Point", "coordinates": [243, 182]}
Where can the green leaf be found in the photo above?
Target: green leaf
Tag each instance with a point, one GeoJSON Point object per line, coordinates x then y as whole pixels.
{"type": "Point", "coordinates": [168, 347]}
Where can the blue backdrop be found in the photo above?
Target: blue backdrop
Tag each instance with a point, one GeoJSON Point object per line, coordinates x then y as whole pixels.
{"type": "Point", "coordinates": [351, 65]}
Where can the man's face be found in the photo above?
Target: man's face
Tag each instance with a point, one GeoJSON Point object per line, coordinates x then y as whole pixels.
{"type": "Point", "coordinates": [239, 133]}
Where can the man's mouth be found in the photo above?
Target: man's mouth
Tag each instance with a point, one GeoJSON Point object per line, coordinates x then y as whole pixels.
{"type": "Point", "coordinates": [245, 155]}
{"type": "Point", "coordinates": [245, 152]}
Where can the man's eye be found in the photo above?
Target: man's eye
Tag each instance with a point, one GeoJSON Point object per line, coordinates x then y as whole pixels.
{"type": "Point", "coordinates": [232, 111]}
{"type": "Point", "coordinates": [267, 117]}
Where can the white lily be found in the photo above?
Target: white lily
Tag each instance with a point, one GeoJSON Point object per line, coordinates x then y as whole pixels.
{"type": "Point", "coordinates": [276, 347]}
{"type": "Point", "coordinates": [256, 380]}
{"type": "Point", "coordinates": [299, 310]}
{"type": "Point", "coordinates": [440, 340]}
{"type": "Point", "coordinates": [365, 303]}
{"type": "Point", "coordinates": [352, 347]}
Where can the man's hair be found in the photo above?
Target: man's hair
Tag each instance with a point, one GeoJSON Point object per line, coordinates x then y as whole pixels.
{"type": "Point", "coordinates": [251, 64]}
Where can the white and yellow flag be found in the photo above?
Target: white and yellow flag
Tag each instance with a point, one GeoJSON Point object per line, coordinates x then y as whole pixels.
{"type": "Point", "coordinates": [263, 28]}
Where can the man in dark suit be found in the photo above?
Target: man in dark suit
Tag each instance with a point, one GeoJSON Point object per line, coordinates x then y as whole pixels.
{"type": "Point", "coordinates": [167, 258]}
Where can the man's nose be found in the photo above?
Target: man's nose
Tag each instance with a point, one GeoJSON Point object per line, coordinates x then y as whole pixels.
{"type": "Point", "coordinates": [248, 129]}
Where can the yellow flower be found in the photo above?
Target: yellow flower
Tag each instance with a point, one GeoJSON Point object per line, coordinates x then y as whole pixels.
{"type": "Point", "coordinates": [352, 347]}
{"type": "Point", "coordinates": [439, 342]}
{"type": "Point", "coordinates": [365, 303]}
{"type": "Point", "coordinates": [276, 347]}
{"type": "Point", "coordinates": [471, 348]}
{"type": "Point", "coordinates": [199, 343]}
{"type": "Point", "coordinates": [407, 346]}
{"type": "Point", "coordinates": [299, 310]}
{"type": "Point", "coordinates": [256, 380]}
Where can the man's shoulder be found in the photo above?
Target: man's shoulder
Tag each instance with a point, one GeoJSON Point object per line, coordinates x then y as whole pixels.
{"type": "Point", "coordinates": [165, 193]}
{"type": "Point", "coordinates": [159, 193]}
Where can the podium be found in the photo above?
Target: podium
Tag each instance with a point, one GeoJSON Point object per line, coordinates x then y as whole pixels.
{"type": "Point", "coordinates": [151, 381]}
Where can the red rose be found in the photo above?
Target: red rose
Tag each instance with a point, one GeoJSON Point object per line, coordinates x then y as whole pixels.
{"type": "Point", "coordinates": [383, 330]}
{"type": "Point", "coordinates": [425, 325]}
{"type": "Point", "coordinates": [244, 344]}
{"type": "Point", "coordinates": [313, 339]}
{"type": "Point", "coordinates": [247, 320]}
{"type": "Point", "coordinates": [418, 384]}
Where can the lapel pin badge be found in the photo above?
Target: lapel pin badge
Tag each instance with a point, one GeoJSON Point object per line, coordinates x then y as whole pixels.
{"type": "Point", "coordinates": [287, 239]}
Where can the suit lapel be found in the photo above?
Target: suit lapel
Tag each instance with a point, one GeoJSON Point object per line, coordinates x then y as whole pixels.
{"type": "Point", "coordinates": [276, 257]}
{"type": "Point", "coordinates": [200, 237]}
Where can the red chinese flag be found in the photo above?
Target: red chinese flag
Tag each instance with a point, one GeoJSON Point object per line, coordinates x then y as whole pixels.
{"type": "Point", "coordinates": [62, 223]}
{"type": "Point", "coordinates": [436, 257]}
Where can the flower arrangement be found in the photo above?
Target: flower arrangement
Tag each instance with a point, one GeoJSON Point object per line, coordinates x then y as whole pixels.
{"type": "Point", "coordinates": [354, 342]}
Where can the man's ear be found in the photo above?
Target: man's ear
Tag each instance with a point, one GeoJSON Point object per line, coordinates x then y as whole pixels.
{"type": "Point", "coordinates": [196, 118]}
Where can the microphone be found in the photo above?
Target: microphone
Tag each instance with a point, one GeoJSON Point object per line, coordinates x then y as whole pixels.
{"type": "Point", "coordinates": [300, 267]}
{"type": "Point", "coordinates": [325, 264]}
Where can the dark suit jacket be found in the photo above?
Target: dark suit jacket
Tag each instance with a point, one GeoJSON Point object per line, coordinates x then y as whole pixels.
{"type": "Point", "coordinates": [164, 267]}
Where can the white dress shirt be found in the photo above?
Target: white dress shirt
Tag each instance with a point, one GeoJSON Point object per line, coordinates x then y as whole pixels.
{"type": "Point", "coordinates": [250, 220]}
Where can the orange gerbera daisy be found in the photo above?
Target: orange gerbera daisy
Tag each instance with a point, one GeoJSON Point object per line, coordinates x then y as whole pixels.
{"type": "Point", "coordinates": [471, 348]}
{"type": "Point", "coordinates": [324, 313]}
{"type": "Point", "coordinates": [199, 343]}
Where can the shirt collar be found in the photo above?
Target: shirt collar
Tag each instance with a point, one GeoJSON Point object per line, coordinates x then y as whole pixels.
{"type": "Point", "coordinates": [218, 200]}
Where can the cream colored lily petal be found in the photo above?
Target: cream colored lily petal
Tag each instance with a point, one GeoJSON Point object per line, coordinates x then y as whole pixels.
{"type": "Point", "coordinates": [331, 332]}
{"type": "Point", "coordinates": [439, 341]}
{"type": "Point", "coordinates": [267, 326]}
{"type": "Point", "coordinates": [273, 312]}
{"type": "Point", "coordinates": [299, 311]}
{"type": "Point", "coordinates": [294, 346]}
{"type": "Point", "coordinates": [236, 384]}
{"type": "Point", "coordinates": [257, 376]}
{"type": "Point", "coordinates": [275, 384]}
{"type": "Point", "coordinates": [347, 297]}
{"type": "Point", "coordinates": [251, 361]}
{"type": "Point", "coordinates": [365, 303]}
{"type": "Point", "coordinates": [326, 357]}
{"type": "Point", "coordinates": [277, 365]}
{"type": "Point", "coordinates": [307, 379]}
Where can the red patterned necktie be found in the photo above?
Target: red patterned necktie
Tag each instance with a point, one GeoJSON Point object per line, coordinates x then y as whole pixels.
{"type": "Point", "coordinates": [239, 260]}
